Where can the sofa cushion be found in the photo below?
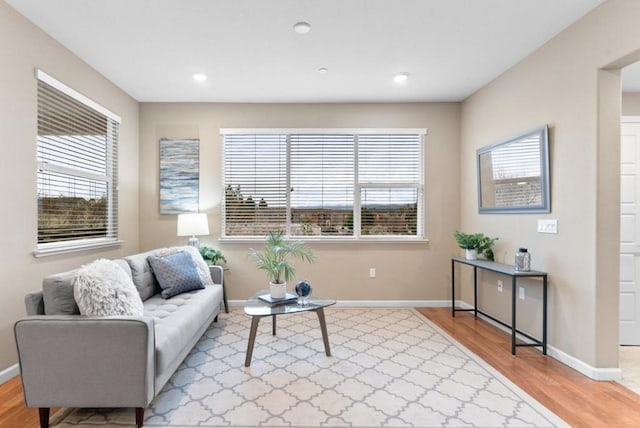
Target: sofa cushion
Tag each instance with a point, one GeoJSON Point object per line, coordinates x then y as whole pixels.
{"type": "Point", "coordinates": [57, 294]}
{"type": "Point", "coordinates": [176, 273]}
{"type": "Point", "coordinates": [201, 265]}
{"type": "Point", "coordinates": [142, 274]}
{"type": "Point", "coordinates": [102, 288]}
{"type": "Point", "coordinates": [178, 320]}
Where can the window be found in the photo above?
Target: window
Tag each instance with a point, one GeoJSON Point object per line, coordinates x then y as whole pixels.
{"type": "Point", "coordinates": [77, 169]}
{"type": "Point", "coordinates": [324, 184]}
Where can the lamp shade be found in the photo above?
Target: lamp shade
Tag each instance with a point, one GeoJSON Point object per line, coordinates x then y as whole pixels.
{"type": "Point", "coordinates": [193, 224]}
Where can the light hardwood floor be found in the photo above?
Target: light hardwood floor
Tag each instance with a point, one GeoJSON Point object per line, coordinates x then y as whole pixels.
{"type": "Point", "coordinates": [577, 399]}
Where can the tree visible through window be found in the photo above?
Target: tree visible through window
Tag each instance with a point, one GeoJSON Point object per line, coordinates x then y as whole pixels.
{"type": "Point", "coordinates": [323, 184]}
{"type": "Point", "coordinates": [77, 168]}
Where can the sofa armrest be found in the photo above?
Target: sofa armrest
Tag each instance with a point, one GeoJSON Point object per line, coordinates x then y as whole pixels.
{"type": "Point", "coordinates": [76, 361]}
{"type": "Point", "coordinates": [217, 274]}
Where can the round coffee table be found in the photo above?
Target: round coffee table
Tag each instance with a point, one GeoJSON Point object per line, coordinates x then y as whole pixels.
{"type": "Point", "coordinates": [258, 308]}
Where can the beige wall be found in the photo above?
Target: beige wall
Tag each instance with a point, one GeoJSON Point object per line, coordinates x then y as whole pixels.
{"type": "Point", "coordinates": [404, 271]}
{"type": "Point", "coordinates": [560, 85]}
{"type": "Point", "coordinates": [23, 47]}
{"type": "Point", "coordinates": [631, 103]}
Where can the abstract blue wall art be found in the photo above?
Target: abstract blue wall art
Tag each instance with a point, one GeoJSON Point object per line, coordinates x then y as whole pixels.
{"type": "Point", "coordinates": [179, 175]}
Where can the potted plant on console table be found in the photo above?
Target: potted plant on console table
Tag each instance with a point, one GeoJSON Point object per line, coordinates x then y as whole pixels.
{"type": "Point", "coordinates": [474, 244]}
{"type": "Point", "coordinates": [275, 260]}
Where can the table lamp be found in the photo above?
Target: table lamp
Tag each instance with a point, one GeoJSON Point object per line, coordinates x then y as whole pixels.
{"type": "Point", "coordinates": [192, 225]}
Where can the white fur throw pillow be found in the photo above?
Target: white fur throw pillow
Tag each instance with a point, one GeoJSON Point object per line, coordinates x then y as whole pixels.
{"type": "Point", "coordinates": [102, 288]}
{"type": "Point", "coordinates": [201, 265]}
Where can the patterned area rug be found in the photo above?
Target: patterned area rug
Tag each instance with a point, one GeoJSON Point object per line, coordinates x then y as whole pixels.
{"type": "Point", "coordinates": [389, 368]}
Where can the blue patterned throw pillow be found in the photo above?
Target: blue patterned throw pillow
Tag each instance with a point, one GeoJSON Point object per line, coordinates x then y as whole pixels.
{"type": "Point", "coordinates": [176, 273]}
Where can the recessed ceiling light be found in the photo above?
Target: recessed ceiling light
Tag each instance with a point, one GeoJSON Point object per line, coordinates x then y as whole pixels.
{"type": "Point", "coordinates": [302, 27]}
{"type": "Point", "coordinates": [323, 70]}
{"type": "Point", "coordinates": [199, 77]}
{"type": "Point", "coordinates": [400, 77]}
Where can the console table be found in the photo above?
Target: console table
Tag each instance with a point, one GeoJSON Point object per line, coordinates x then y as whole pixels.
{"type": "Point", "coordinates": [514, 274]}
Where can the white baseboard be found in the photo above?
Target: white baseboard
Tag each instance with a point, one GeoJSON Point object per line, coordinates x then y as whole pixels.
{"type": "Point", "coordinates": [594, 373]}
{"type": "Point", "coordinates": [580, 366]}
{"type": "Point", "coordinates": [9, 373]}
{"type": "Point", "coordinates": [377, 303]}
{"type": "Point", "coordinates": [392, 303]}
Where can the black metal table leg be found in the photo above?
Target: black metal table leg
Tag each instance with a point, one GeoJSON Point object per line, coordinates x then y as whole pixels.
{"type": "Point", "coordinates": [513, 315]}
{"type": "Point", "coordinates": [453, 289]}
{"type": "Point", "coordinates": [475, 291]}
{"type": "Point", "coordinates": [544, 315]}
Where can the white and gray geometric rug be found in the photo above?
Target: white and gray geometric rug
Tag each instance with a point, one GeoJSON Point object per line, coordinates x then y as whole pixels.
{"type": "Point", "coordinates": [389, 368]}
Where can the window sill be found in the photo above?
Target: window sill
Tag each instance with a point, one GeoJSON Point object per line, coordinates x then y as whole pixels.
{"type": "Point", "coordinates": [56, 249]}
{"type": "Point", "coordinates": [312, 240]}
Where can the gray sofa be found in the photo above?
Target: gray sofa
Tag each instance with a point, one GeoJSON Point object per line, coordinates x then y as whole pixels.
{"type": "Point", "coordinates": [69, 360]}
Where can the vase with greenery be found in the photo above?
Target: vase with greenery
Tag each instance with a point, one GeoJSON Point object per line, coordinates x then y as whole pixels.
{"type": "Point", "coordinates": [276, 260]}
{"type": "Point", "coordinates": [474, 244]}
{"type": "Point", "coordinates": [211, 256]}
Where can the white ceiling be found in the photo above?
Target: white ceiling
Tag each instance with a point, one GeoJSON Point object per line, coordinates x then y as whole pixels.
{"type": "Point", "coordinates": [451, 48]}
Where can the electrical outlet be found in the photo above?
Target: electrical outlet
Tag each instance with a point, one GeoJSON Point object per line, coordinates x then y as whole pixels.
{"type": "Point", "coordinates": [372, 272]}
{"type": "Point", "coordinates": [521, 293]}
{"type": "Point", "coordinates": [500, 286]}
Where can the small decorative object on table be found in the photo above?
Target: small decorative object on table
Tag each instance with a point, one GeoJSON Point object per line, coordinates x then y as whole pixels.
{"type": "Point", "coordinates": [523, 260]}
{"type": "Point", "coordinates": [303, 290]}
{"type": "Point", "coordinates": [475, 244]}
{"type": "Point", "coordinates": [275, 260]}
{"type": "Point", "coordinates": [288, 298]}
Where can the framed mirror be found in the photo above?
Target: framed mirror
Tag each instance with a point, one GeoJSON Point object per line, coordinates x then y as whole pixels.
{"type": "Point", "coordinates": [513, 175]}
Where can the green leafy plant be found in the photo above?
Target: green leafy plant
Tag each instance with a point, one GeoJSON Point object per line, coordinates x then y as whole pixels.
{"type": "Point", "coordinates": [486, 247]}
{"type": "Point", "coordinates": [476, 241]}
{"type": "Point", "coordinates": [211, 256]}
{"type": "Point", "coordinates": [275, 259]}
{"type": "Point", "coordinates": [468, 241]}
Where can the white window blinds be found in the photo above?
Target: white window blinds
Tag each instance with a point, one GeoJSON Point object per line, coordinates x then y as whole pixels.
{"type": "Point", "coordinates": [323, 184]}
{"type": "Point", "coordinates": [255, 176]}
{"type": "Point", "coordinates": [77, 167]}
{"type": "Point", "coordinates": [322, 171]}
{"type": "Point", "coordinates": [390, 183]}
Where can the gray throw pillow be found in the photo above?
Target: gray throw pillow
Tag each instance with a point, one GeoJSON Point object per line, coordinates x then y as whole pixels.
{"type": "Point", "coordinates": [176, 273]}
{"type": "Point", "coordinates": [198, 261]}
{"type": "Point", "coordinates": [57, 293]}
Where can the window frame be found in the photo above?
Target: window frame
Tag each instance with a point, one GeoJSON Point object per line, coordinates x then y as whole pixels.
{"type": "Point", "coordinates": [357, 237]}
{"type": "Point", "coordinates": [109, 178]}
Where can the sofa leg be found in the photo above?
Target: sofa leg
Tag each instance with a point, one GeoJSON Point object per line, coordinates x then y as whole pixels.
{"type": "Point", "coordinates": [139, 416]}
{"type": "Point", "coordinates": [44, 417]}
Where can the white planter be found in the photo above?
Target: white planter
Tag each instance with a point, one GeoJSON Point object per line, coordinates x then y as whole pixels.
{"type": "Point", "coordinates": [471, 254]}
{"type": "Point", "coordinates": [278, 291]}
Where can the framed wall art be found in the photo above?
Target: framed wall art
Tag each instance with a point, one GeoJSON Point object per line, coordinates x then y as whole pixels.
{"type": "Point", "coordinates": [179, 175]}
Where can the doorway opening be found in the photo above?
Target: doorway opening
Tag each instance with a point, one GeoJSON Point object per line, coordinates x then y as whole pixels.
{"type": "Point", "coordinates": [629, 307]}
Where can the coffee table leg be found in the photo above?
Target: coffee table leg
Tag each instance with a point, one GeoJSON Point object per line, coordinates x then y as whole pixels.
{"type": "Point", "coordinates": [252, 340]}
{"type": "Point", "coordinates": [273, 325]}
{"type": "Point", "coordinates": [323, 328]}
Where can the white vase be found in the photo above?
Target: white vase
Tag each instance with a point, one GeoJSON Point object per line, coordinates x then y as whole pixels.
{"type": "Point", "coordinates": [471, 254]}
{"type": "Point", "coordinates": [278, 291]}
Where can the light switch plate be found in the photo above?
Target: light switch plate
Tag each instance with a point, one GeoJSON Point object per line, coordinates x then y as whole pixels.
{"type": "Point", "coordinates": [547, 225]}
